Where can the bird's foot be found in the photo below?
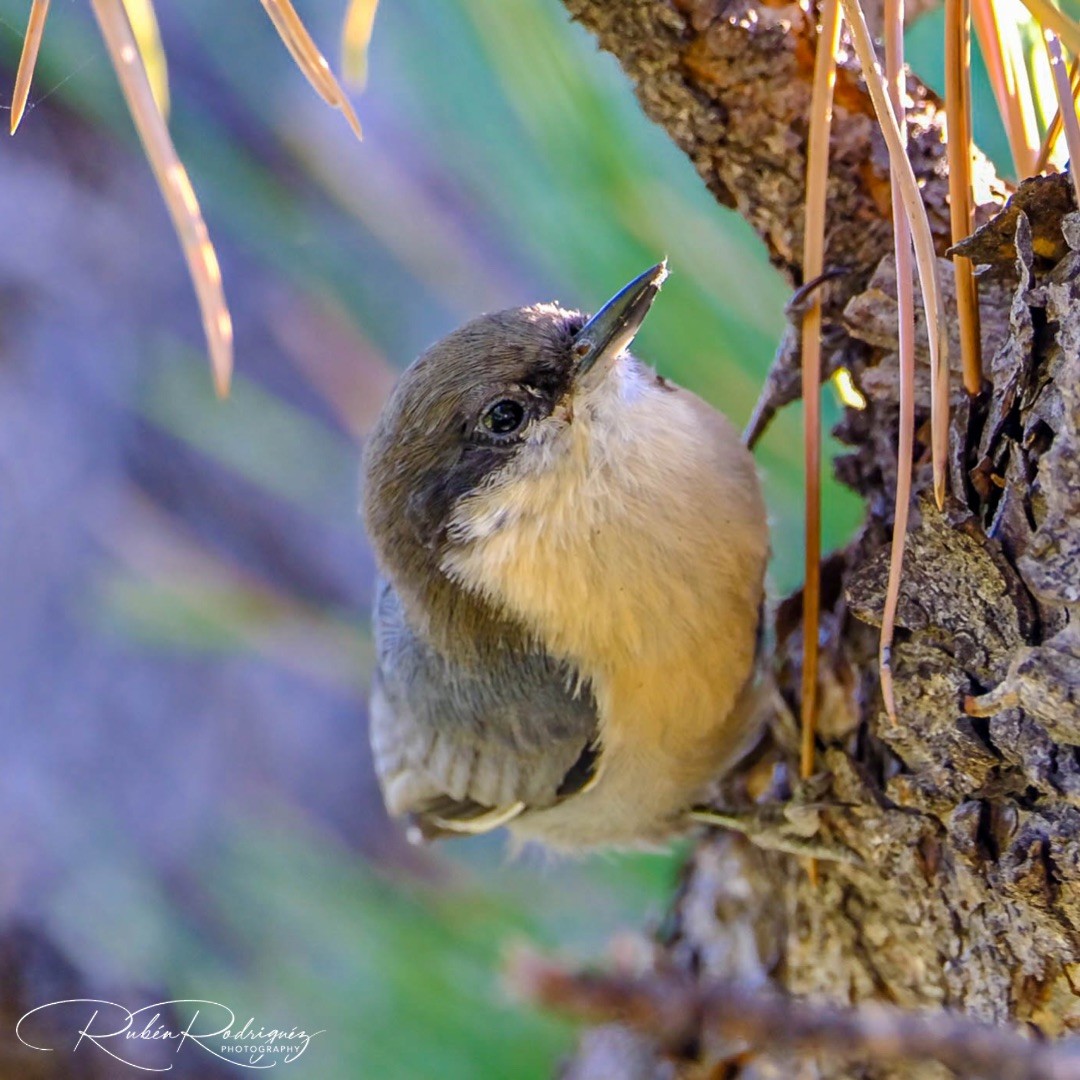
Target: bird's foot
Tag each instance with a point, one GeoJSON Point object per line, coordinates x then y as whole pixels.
{"type": "Point", "coordinates": [791, 825]}
{"type": "Point", "coordinates": [783, 383]}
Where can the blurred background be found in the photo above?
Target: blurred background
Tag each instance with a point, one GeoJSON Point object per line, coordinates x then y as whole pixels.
{"type": "Point", "coordinates": [187, 804]}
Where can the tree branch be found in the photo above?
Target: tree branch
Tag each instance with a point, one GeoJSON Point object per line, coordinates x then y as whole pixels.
{"type": "Point", "coordinates": [731, 81]}
{"type": "Point", "coordinates": [676, 1010]}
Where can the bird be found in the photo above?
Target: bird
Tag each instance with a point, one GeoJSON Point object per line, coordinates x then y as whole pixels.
{"type": "Point", "coordinates": [571, 554]}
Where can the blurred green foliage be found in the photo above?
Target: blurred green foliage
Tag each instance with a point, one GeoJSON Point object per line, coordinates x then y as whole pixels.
{"type": "Point", "coordinates": [403, 976]}
{"type": "Point", "coordinates": [506, 161]}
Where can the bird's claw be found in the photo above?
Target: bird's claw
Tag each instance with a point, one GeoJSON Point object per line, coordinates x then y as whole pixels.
{"type": "Point", "coordinates": [790, 825]}
{"type": "Point", "coordinates": [783, 383]}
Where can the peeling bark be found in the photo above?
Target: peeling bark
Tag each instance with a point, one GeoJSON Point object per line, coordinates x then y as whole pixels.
{"type": "Point", "coordinates": [965, 815]}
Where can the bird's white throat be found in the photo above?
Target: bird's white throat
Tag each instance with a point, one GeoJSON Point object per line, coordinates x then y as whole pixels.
{"type": "Point", "coordinates": [628, 529]}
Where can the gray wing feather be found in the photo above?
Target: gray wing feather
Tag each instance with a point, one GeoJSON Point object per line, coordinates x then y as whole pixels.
{"type": "Point", "coordinates": [443, 733]}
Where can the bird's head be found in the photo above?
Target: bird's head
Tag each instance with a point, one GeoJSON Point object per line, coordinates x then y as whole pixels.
{"type": "Point", "coordinates": [493, 403]}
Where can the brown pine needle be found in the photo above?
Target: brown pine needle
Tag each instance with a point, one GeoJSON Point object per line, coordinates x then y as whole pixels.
{"type": "Point", "coordinates": [355, 39]}
{"type": "Point", "coordinates": [905, 298]}
{"type": "Point", "coordinates": [1064, 93]}
{"type": "Point", "coordinates": [817, 178]}
{"type": "Point", "coordinates": [24, 76]}
{"type": "Point", "coordinates": [1053, 132]}
{"type": "Point", "coordinates": [144, 26]}
{"type": "Point", "coordinates": [308, 58]}
{"type": "Point", "coordinates": [174, 183]}
{"type": "Point", "coordinates": [923, 239]}
{"type": "Point", "coordinates": [959, 150]}
{"type": "Point", "coordinates": [1011, 85]}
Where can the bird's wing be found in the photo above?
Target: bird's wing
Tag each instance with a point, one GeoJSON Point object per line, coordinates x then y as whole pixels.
{"type": "Point", "coordinates": [465, 750]}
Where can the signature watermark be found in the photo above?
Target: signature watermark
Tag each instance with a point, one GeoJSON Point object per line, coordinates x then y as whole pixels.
{"type": "Point", "coordinates": [142, 1037]}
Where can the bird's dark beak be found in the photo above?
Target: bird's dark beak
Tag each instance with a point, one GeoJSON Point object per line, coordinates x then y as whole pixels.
{"type": "Point", "coordinates": [612, 328]}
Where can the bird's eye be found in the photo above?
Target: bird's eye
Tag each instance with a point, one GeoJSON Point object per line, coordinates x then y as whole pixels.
{"type": "Point", "coordinates": [503, 417]}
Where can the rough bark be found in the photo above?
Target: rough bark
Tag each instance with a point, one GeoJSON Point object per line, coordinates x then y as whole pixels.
{"type": "Point", "coordinates": [964, 887]}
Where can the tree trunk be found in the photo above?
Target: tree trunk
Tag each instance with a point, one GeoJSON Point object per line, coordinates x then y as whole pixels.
{"type": "Point", "coordinates": [963, 889]}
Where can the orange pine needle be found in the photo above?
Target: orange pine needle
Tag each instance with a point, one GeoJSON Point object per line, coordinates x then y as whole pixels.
{"type": "Point", "coordinates": [817, 176]}
{"type": "Point", "coordinates": [311, 62]}
{"type": "Point", "coordinates": [984, 18]}
{"type": "Point", "coordinates": [1053, 132]}
{"type": "Point", "coordinates": [175, 186]}
{"type": "Point", "coordinates": [1010, 83]}
{"type": "Point", "coordinates": [922, 238]}
{"type": "Point", "coordinates": [1054, 19]}
{"type": "Point", "coordinates": [28, 61]}
{"type": "Point", "coordinates": [144, 26]}
{"type": "Point", "coordinates": [355, 40]}
{"type": "Point", "coordinates": [959, 149]}
{"type": "Point", "coordinates": [905, 298]}
{"type": "Point", "coordinates": [1064, 92]}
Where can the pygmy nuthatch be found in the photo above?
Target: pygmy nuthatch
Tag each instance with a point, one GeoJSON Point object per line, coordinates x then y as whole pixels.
{"type": "Point", "coordinates": [572, 553]}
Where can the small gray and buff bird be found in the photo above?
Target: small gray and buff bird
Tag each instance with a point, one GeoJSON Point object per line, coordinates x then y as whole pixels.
{"type": "Point", "coordinates": [572, 553]}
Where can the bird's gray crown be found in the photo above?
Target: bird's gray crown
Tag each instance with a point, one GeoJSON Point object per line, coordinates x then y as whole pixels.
{"type": "Point", "coordinates": [454, 418]}
{"type": "Point", "coordinates": [435, 441]}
